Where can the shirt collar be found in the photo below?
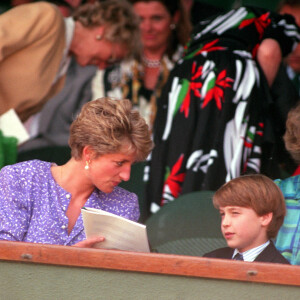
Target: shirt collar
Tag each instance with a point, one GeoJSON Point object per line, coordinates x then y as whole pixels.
{"type": "Point", "coordinates": [251, 254]}
{"type": "Point", "coordinates": [65, 61]}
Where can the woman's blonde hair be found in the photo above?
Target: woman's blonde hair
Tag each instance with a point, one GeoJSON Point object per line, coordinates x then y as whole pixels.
{"type": "Point", "coordinates": [292, 133]}
{"type": "Point", "coordinates": [110, 126]}
{"type": "Point", "coordinates": [254, 191]}
{"type": "Point", "coordinates": [118, 18]}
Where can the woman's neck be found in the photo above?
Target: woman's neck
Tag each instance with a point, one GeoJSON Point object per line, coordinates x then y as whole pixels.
{"type": "Point", "coordinates": [151, 60]}
{"type": "Point", "coordinates": [151, 77]}
{"type": "Point", "coordinates": [154, 54]}
{"type": "Point", "coordinates": [71, 177]}
{"type": "Point", "coordinates": [77, 185]}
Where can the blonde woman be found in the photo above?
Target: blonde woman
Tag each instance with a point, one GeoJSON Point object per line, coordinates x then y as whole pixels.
{"type": "Point", "coordinates": [41, 202]}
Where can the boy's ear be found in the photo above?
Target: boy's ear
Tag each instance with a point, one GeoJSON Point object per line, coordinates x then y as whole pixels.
{"type": "Point", "coordinates": [266, 219]}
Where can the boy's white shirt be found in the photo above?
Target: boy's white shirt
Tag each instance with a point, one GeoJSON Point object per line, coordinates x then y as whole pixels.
{"type": "Point", "coordinates": [251, 254]}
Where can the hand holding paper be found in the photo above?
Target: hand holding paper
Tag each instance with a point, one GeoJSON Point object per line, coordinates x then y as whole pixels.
{"type": "Point", "coordinates": [119, 232]}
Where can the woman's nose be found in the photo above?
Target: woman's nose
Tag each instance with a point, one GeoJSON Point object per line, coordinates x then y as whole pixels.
{"type": "Point", "coordinates": [145, 25]}
{"type": "Point", "coordinates": [125, 173]}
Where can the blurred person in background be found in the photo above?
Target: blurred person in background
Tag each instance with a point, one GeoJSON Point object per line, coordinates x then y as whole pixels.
{"type": "Point", "coordinates": [286, 89]}
{"type": "Point", "coordinates": [165, 29]}
{"type": "Point", "coordinates": [213, 119]}
{"type": "Point", "coordinates": [288, 238]}
{"type": "Point", "coordinates": [292, 61]}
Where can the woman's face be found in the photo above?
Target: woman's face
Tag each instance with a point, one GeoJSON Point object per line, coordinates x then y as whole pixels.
{"type": "Point", "coordinates": [101, 53]}
{"type": "Point", "coordinates": [155, 24]}
{"type": "Point", "coordinates": [109, 170]}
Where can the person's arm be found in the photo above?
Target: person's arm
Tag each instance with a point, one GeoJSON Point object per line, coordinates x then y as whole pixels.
{"type": "Point", "coordinates": [14, 207]}
{"type": "Point", "coordinates": [269, 58]}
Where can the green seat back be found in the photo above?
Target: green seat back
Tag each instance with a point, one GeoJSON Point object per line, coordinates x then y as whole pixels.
{"type": "Point", "coordinates": [190, 225]}
{"type": "Point", "coordinates": [136, 185]}
{"type": "Point", "coordinates": [8, 150]}
{"type": "Point", "coordinates": [56, 154]}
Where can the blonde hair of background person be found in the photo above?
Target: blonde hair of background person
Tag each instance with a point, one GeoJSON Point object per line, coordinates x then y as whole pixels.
{"type": "Point", "coordinates": [41, 202]}
{"type": "Point", "coordinates": [292, 134]}
{"type": "Point", "coordinates": [119, 22]}
{"type": "Point", "coordinates": [287, 241]}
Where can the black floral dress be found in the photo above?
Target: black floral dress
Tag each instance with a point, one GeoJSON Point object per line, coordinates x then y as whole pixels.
{"type": "Point", "coordinates": [213, 121]}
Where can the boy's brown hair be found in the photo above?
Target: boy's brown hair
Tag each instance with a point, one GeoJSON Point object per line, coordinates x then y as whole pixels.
{"type": "Point", "coordinates": [254, 191]}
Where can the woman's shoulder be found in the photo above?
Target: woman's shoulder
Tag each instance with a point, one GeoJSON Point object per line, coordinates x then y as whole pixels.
{"type": "Point", "coordinates": [290, 186]}
{"type": "Point", "coordinates": [42, 11]}
{"type": "Point", "coordinates": [25, 175]}
{"type": "Point", "coordinates": [125, 193]}
{"type": "Point", "coordinates": [117, 194]}
{"type": "Point", "coordinates": [28, 166]}
{"type": "Point", "coordinates": [120, 202]}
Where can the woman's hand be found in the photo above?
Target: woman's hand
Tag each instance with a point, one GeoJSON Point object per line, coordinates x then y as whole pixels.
{"type": "Point", "coordinates": [89, 243]}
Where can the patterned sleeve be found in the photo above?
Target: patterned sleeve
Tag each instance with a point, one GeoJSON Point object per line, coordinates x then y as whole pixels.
{"type": "Point", "coordinates": [14, 216]}
{"type": "Point", "coordinates": [278, 181]}
{"type": "Point", "coordinates": [285, 31]}
{"type": "Point", "coordinates": [120, 202]}
{"type": "Point", "coordinates": [247, 27]}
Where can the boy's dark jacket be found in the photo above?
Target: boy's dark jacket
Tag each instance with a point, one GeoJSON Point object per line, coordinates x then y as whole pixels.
{"type": "Point", "coordinates": [269, 254]}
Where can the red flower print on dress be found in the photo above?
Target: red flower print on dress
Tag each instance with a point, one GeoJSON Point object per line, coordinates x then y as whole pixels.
{"type": "Point", "coordinates": [260, 23]}
{"type": "Point", "coordinates": [193, 86]}
{"type": "Point", "coordinates": [249, 139]}
{"type": "Point", "coordinates": [217, 91]}
{"type": "Point", "coordinates": [175, 179]}
{"type": "Point", "coordinates": [209, 47]}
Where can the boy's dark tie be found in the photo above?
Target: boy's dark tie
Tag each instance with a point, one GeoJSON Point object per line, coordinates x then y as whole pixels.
{"type": "Point", "coordinates": [238, 256]}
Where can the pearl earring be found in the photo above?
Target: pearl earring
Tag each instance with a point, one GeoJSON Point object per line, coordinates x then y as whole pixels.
{"type": "Point", "coordinates": [172, 26]}
{"type": "Point", "coordinates": [86, 165]}
{"type": "Point", "coordinates": [98, 37]}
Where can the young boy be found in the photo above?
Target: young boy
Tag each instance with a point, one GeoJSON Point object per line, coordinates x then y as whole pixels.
{"type": "Point", "coordinates": [252, 209]}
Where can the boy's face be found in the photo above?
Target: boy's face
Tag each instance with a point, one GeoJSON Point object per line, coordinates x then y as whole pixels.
{"type": "Point", "coordinates": [243, 228]}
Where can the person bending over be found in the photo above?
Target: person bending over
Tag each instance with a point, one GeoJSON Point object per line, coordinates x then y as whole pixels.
{"type": "Point", "coordinates": [37, 43]}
